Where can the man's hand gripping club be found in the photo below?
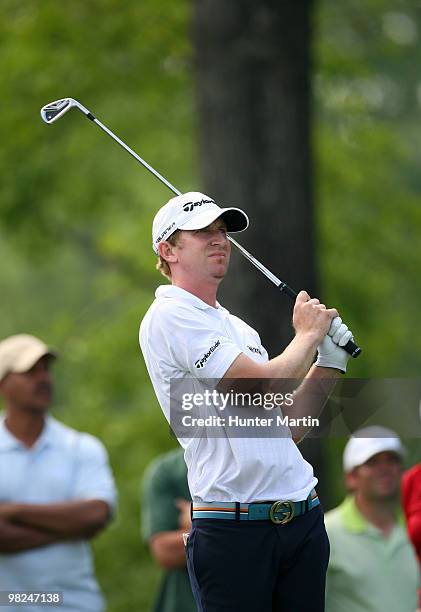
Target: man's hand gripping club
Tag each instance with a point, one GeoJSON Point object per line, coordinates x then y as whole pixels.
{"type": "Point", "coordinates": [324, 324]}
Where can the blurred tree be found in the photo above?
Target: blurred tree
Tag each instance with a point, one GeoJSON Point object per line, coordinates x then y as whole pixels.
{"type": "Point", "coordinates": [368, 184]}
{"type": "Point", "coordinates": [253, 84]}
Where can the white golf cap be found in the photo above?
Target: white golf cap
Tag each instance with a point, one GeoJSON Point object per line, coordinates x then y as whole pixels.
{"type": "Point", "coordinates": [367, 442]}
{"type": "Point", "coordinates": [191, 211]}
{"type": "Point", "coordinates": [20, 352]}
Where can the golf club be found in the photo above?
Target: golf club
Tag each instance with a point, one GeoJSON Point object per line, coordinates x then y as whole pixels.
{"type": "Point", "coordinates": [55, 110]}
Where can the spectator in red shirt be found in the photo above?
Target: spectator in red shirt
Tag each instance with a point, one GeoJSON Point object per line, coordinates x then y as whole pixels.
{"type": "Point", "coordinates": [411, 501]}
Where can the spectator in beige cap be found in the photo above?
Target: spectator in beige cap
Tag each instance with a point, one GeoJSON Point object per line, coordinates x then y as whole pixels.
{"type": "Point", "coordinates": [372, 565]}
{"type": "Point", "coordinates": [56, 487]}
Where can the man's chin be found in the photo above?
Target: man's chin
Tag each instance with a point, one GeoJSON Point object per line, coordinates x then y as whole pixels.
{"type": "Point", "coordinates": [40, 408]}
{"type": "Point", "coordinates": [387, 494]}
{"type": "Point", "coordinates": [220, 270]}
{"type": "Point", "coordinates": [219, 275]}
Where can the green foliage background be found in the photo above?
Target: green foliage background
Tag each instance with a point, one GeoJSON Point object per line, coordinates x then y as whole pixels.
{"type": "Point", "coordinates": [75, 212]}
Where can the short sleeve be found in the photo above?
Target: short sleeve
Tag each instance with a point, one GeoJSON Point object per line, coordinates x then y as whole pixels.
{"type": "Point", "coordinates": [93, 478]}
{"type": "Point", "coordinates": [159, 492]}
{"type": "Point", "coordinates": [191, 341]}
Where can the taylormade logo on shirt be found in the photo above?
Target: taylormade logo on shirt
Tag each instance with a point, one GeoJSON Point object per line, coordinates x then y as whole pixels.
{"type": "Point", "coordinates": [254, 349]}
{"type": "Point", "coordinates": [189, 206]}
{"type": "Point", "coordinates": [201, 362]}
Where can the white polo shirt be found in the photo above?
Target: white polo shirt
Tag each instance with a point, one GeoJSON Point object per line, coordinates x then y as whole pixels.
{"type": "Point", "coordinates": [182, 337]}
{"type": "Point", "coordinates": [63, 465]}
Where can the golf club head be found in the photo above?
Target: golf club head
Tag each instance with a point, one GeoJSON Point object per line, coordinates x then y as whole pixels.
{"type": "Point", "coordinates": [53, 111]}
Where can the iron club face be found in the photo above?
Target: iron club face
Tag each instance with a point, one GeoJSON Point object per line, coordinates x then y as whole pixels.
{"type": "Point", "coordinates": [53, 111]}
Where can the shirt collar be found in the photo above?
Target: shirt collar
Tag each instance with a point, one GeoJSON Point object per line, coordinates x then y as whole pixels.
{"type": "Point", "coordinates": [9, 442]}
{"type": "Point", "coordinates": [354, 521]}
{"type": "Point", "coordinates": [173, 292]}
{"type": "Point", "coordinates": [48, 435]}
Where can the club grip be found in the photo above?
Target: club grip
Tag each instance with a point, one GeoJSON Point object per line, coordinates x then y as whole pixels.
{"type": "Point", "coordinates": [353, 349]}
{"type": "Point", "coordinates": [350, 347]}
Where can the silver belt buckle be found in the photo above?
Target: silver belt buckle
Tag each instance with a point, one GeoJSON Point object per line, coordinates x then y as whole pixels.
{"type": "Point", "coordinates": [276, 507]}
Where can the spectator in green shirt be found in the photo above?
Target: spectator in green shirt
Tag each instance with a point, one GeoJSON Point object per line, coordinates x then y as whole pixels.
{"type": "Point", "coordinates": [165, 517]}
{"type": "Point", "coordinates": [372, 565]}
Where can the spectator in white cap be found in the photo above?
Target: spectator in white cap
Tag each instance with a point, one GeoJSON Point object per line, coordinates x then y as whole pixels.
{"type": "Point", "coordinates": [56, 487]}
{"type": "Point", "coordinates": [372, 565]}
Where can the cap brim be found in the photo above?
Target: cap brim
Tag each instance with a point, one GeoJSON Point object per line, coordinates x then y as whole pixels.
{"type": "Point", "coordinates": [235, 219]}
{"type": "Point", "coordinates": [386, 448]}
{"type": "Point", "coordinates": [30, 359]}
{"type": "Point", "coordinates": [363, 457]}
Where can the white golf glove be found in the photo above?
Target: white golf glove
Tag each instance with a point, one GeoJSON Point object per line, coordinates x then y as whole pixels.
{"type": "Point", "coordinates": [330, 353]}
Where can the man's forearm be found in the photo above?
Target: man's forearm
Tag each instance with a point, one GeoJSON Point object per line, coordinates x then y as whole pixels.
{"type": "Point", "coordinates": [293, 363]}
{"type": "Point", "coordinates": [167, 548]}
{"type": "Point", "coordinates": [310, 398]}
{"type": "Point", "coordinates": [17, 538]}
{"type": "Point", "coordinates": [296, 360]}
{"type": "Point", "coordinates": [68, 520]}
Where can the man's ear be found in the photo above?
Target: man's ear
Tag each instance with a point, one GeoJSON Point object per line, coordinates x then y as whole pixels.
{"type": "Point", "coordinates": [351, 480]}
{"type": "Point", "coordinates": [166, 251]}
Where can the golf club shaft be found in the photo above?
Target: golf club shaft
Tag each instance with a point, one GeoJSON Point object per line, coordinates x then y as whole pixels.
{"type": "Point", "coordinates": [353, 349]}
{"type": "Point", "coordinates": [133, 153]}
{"type": "Point", "coordinates": [274, 279]}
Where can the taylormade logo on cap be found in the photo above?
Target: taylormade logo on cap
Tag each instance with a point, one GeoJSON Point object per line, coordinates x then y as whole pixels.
{"type": "Point", "coordinates": [191, 211]}
{"type": "Point", "coordinates": [189, 206]}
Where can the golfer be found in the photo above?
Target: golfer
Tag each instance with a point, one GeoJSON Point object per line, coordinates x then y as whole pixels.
{"type": "Point", "coordinates": [258, 542]}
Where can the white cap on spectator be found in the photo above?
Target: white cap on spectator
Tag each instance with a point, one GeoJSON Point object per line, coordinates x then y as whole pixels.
{"type": "Point", "coordinates": [367, 442]}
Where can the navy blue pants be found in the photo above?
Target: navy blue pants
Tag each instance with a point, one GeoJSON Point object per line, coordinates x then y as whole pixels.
{"type": "Point", "coordinates": [257, 566]}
